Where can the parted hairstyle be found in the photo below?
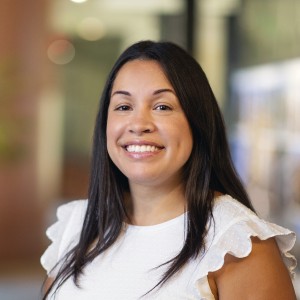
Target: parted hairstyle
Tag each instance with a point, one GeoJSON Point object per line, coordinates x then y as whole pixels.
{"type": "Point", "coordinates": [208, 169]}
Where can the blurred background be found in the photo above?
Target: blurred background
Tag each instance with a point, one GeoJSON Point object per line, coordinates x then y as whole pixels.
{"type": "Point", "coordinates": [54, 58]}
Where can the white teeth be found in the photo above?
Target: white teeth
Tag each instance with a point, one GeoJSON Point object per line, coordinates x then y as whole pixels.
{"type": "Point", "coordinates": [141, 148]}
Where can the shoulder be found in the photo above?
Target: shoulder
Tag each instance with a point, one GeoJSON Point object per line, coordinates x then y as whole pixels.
{"type": "Point", "coordinates": [243, 249]}
{"type": "Point", "coordinates": [227, 210]}
{"type": "Point", "coordinates": [70, 217]}
{"type": "Point", "coordinates": [64, 233]}
{"type": "Point", "coordinates": [232, 219]}
{"type": "Point", "coordinates": [72, 211]}
{"type": "Point", "coordinates": [72, 206]}
{"type": "Point", "coordinates": [260, 275]}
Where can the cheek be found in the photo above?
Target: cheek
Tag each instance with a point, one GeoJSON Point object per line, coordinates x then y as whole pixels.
{"type": "Point", "coordinates": [190, 140]}
{"type": "Point", "coordinates": [110, 135]}
{"type": "Point", "coordinates": [185, 139]}
{"type": "Point", "coordinates": [114, 132]}
{"type": "Point", "coordinates": [181, 133]}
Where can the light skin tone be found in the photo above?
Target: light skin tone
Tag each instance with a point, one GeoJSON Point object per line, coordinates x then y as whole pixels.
{"type": "Point", "coordinates": [149, 139]}
{"type": "Point", "coordinates": [261, 275]}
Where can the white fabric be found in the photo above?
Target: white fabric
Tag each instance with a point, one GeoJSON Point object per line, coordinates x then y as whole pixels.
{"type": "Point", "coordinates": [127, 269]}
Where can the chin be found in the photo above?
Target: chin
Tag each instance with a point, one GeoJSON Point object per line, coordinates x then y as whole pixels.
{"type": "Point", "coordinates": [144, 180]}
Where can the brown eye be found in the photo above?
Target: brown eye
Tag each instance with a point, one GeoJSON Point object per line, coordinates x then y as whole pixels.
{"type": "Point", "coordinates": [163, 107]}
{"type": "Point", "coordinates": [123, 108]}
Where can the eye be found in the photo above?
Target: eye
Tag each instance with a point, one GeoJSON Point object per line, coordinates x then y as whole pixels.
{"type": "Point", "coordinates": [163, 107]}
{"type": "Point", "coordinates": [123, 108]}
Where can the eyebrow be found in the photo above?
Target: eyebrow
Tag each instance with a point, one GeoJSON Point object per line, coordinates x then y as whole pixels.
{"type": "Point", "coordinates": [163, 91]}
{"type": "Point", "coordinates": [121, 93]}
{"type": "Point", "coordinates": [154, 93]}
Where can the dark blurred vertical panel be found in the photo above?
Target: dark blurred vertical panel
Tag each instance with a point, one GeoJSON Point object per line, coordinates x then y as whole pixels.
{"type": "Point", "coordinates": [233, 57]}
{"type": "Point", "coordinates": [22, 75]}
{"type": "Point", "coordinates": [180, 28]}
{"type": "Point", "coordinates": [234, 47]}
{"type": "Point", "coordinates": [190, 25]}
{"type": "Point", "coordinates": [173, 28]}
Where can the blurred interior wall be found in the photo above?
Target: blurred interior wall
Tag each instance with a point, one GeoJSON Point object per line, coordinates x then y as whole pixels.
{"type": "Point", "coordinates": [22, 77]}
{"type": "Point", "coordinates": [211, 42]}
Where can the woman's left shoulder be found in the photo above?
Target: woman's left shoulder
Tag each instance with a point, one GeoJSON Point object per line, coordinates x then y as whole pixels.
{"type": "Point", "coordinates": [232, 229]}
{"type": "Point", "coordinates": [259, 275]}
{"type": "Point", "coordinates": [242, 250]}
{"type": "Point", "coordinates": [226, 209]}
{"type": "Point", "coordinates": [230, 214]}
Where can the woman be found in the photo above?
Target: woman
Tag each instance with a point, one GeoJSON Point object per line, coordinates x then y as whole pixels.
{"type": "Point", "coordinates": [167, 217]}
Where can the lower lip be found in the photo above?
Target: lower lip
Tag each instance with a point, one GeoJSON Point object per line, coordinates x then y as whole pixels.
{"type": "Point", "coordinates": [142, 155]}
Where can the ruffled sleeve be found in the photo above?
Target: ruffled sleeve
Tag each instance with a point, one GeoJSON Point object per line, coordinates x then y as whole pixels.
{"type": "Point", "coordinates": [231, 232]}
{"type": "Point", "coordinates": [64, 234]}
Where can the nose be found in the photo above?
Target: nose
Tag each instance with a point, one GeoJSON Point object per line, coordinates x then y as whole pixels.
{"type": "Point", "coordinates": [141, 123]}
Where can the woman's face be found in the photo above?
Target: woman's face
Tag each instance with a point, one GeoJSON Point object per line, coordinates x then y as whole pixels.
{"type": "Point", "coordinates": [148, 136]}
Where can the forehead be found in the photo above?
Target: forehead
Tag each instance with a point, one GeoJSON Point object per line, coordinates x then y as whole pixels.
{"type": "Point", "coordinates": [143, 63]}
{"type": "Point", "coordinates": [139, 71]}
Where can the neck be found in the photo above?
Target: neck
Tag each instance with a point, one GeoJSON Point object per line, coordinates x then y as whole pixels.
{"type": "Point", "coordinates": [152, 205]}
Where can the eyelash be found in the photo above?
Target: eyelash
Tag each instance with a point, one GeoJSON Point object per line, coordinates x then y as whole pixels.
{"type": "Point", "coordinates": [162, 107]}
{"type": "Point", "coordinates": [123, 108]}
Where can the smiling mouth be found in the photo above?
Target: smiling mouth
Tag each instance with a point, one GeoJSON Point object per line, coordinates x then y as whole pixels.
{"type": "Point", "coordinates": [142, 148]}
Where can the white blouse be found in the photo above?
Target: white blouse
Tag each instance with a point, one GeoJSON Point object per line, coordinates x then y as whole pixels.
{"type": "Point", "coordinates": [127, 270]}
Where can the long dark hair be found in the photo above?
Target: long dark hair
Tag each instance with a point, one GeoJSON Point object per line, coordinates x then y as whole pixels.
{"type": "Point", "coordinates": [208, 169]}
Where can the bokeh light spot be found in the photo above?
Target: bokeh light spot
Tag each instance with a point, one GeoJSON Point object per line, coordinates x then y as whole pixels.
{"type": "Point", "coordinates": [91, 29]}
{"type": "Point", "coordinates": [78, 1]}
{"type": "Point", "coordinates": [61, 52]}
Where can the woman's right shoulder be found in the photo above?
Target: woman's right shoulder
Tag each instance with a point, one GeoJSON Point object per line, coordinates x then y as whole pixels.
{"type": "Point", "coordinates": [70, 217]}
{"type": "Point", "coordinates": [64, 233]}
{"type": "Point", "coordinates": [66, 210]}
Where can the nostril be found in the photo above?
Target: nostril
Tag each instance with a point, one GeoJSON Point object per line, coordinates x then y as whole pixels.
{"type": "Point", "coordinates": [140, 131]}
{"type": "Point", "coordinates": [141, 128]}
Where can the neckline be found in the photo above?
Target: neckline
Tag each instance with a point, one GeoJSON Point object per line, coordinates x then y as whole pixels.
{"type": "Point", "coordinates": [167, 223]}
{"type": "Point", "coordinates": [164, 224]}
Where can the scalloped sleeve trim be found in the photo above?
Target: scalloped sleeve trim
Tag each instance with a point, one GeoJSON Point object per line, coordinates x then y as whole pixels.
{"type": "Point", "coordinates": [63, 234]}
{"type": "Point", "coordinates": [231, 232]}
